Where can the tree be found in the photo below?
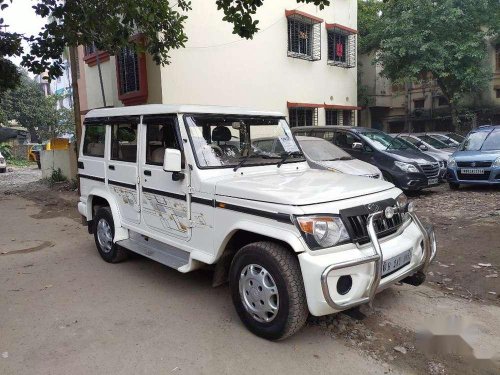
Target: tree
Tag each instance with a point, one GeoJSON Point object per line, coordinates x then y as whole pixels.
{"type": "Point", "coordinates": [446, 38]}
{"type": "Point", "coordinates": [28, 106]}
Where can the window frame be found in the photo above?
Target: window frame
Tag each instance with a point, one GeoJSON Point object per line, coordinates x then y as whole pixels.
{"type": "Point", "coordinates": [329, 112]}
{"type": "Point", "coordinates": [314, 119]}
{"type": "Point", "coordinates": [150, 120]}
{"type": "Point", "coordinates": [295, 21]}
{"type": "Point", "coordinates": [335, 31]}
{"type": "Point", "coordinates": [137, 140]}
{"type": "Point", "coordinates": [139, 96]}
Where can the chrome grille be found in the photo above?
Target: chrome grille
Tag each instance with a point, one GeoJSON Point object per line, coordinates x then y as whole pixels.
{"type": "Point", "coordinates": [430, 170]}
{"type": "Point", "coordinates": [474, 164]}
{"type": "Point", "coordinates": [355, 220]}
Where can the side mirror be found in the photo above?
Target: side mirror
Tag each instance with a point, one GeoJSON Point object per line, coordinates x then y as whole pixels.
{"type": "Point", "coordinates": [357, 146]}
{"type": "Point", "coordinates": [423, 147]}
{"type": "Point", "coordinates": [172, 160]}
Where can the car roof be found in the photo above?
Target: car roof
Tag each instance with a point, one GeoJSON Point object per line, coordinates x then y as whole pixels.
{"type": "Point", "coordinates": [305, 138]}
{"type": "Point", "coordinates": [332, 127]}
{"type": "Point", "coordinates": [156, 109]}
{"type": "Point", "coordinates": [483, 128]}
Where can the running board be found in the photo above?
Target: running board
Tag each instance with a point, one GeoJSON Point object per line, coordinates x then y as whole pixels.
{"type": "Point", "coordinates": [156, 250]}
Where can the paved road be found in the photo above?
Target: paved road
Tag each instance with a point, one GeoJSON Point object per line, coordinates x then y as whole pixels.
{"type": "Point", "coordinates": [65, 311]}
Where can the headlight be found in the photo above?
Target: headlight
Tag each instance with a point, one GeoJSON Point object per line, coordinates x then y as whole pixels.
{"type": "Point", "coordinates": [322, 231]}
{"type": "Point", "coordinates": [452, 163]}
{"type": "Point", "coordinates": [496, 163]}
{"type": "Point", "coordinates": [401, 200]}
{"type": "Point", "coordinates": [406, 167]}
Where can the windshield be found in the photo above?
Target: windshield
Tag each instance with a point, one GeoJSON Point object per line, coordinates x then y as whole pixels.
{"type": "Point", "coordinates": [433, 141]}
{"type": "Point", "coordinates": [221, 141]}
{"type": "Point", "coordinates": [321, 150]}
{"type": "Point", "coordinates": [411, 142]}
{"type": "Point", "coordinates": [447, 140]}
{"type": "Point", "coordinates": [456, 137]}
{"type": "Point", "coordinates": [486, 141]}
{"type": "Point", "coordinates": [383, 141]}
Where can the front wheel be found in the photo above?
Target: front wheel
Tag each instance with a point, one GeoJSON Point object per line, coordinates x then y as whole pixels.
{"type": "Point", "coordinates": [454, 185]}
{"type": "Point", "coordinates": [104, 232]}
{"type": "Point", "coordinates": [268, 291]}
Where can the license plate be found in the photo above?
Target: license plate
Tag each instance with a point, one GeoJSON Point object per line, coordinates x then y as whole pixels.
{"type": "Point", "coordinates": [395, 263]}
{"type": "Point", "coordinates": [433, 181]}
{"type": "Point", "coordinates": [472, 171]}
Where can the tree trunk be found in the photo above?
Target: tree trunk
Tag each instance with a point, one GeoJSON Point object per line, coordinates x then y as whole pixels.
{"type": "Point", "coordinates": [455, 120]}
{"type": "Point", "coordinates": [73, 61]}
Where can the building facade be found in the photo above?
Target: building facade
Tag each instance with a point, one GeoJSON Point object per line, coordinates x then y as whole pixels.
{"type": "Point", "coordinates": [420, 107]}
{"type": "Point", "coordinates": [302, 63]}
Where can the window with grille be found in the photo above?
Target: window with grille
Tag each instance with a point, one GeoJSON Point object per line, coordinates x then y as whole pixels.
{"type": "Point", "coordinates": [332, 117]}
{"type": "Point", "coordinates": [128, 70]}
{"type": "Point", "coordinates": [420, 103]}
{"type": "Point", "coordinates": [442, 101]}
{"type": "Point", "coordinates": [347, 118]}
{"type": "Point", "coordinates": [300, 116]}
{"type": "Point", "coordinates": [304, 37]}
{"type": "Point", "coordinates": [341, 46]}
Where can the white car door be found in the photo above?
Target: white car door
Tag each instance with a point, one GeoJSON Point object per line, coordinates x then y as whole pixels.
{"type": "Point", "coordinates": [163, 195]}
{"type": "Point", "coordinates": [122, 170]}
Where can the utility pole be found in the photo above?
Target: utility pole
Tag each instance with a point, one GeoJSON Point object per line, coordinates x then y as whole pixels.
{"type": "Point", "coordinates": [73, 62]}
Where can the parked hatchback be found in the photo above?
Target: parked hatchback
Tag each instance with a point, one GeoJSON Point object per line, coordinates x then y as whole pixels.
{"type": "Point", "coordinates": [405, 167]}
{"type": "Point", "coordinates": [477, 161]}
{"type": "Point", "coordinates": [321, 154]}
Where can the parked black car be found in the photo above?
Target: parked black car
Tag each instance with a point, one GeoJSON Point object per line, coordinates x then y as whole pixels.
{"type": "Point", "coordinates": [400, 164]}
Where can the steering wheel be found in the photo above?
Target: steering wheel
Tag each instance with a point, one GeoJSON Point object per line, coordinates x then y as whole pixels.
{"type": "Point", "coordinates": [217, 150]}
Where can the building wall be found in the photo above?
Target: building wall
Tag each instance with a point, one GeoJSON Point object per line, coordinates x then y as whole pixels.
{"type": "Point", "coordinates": [219, 68]}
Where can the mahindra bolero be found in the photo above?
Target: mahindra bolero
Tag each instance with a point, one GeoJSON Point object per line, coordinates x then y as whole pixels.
{"type": "Point", "coordinates": [186, 186]}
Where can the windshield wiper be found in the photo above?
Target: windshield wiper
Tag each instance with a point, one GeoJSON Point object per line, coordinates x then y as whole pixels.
{"type": "Point", "coordinates": [341, 158]}
{"type": "Point", "coordinates": [251, 156]}
{"type": "Point", "coordinates": [287, 155]}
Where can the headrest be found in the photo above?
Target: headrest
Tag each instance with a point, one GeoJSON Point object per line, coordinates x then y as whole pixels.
{"type": "Point", "coordinates": [221, 134]}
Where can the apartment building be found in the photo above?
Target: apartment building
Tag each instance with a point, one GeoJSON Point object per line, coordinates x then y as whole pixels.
{"type": "Point", "coordinates": [302, 63]}
{"type": "Point", "coordinates": [421, 106]}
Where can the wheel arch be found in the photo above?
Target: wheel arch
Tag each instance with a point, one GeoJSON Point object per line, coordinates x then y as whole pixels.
{"type": "Point", "coordinates": [242, 235]}
{"type": "Point", "coordinates": [99, 198]}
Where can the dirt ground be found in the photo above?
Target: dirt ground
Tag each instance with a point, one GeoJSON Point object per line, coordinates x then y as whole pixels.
{"type": "Point", "coordinates": [63, 310]}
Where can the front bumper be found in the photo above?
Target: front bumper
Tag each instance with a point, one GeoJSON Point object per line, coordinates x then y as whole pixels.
{"type": "Point", "coordinates": [491, 177]}
{"type": "Point", "coordinates": [364, 265]}
{"type": "Point", "coordinates": [413, 181]}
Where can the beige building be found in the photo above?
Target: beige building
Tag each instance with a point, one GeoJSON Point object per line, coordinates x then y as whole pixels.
{"type": "Point", "coordinates": [422, 107]}
{"type": "Point", "coordinates": [302, 63]}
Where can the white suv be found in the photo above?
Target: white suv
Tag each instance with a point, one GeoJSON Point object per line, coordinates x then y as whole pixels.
{"type": "Point", "coordinates": [3, 164]}
{"type": "Point", "coordinates": [185, 186]}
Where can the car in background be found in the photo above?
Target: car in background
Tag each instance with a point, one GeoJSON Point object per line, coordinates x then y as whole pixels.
{"type": "Point", "coordinates": [477, 161]}
{"type": "Point", "coordinates": [441, 155]}
{"type": "Point", "coordinates": [405, 167]}
{"type": "Point", "coordinates": [321, 154]}
{"type": "Point", "coordinates": [451, 139]}
{"type": "Point", "coordinates": [3, 164]}
{"type": "Point", "coordinates": [436, 143]}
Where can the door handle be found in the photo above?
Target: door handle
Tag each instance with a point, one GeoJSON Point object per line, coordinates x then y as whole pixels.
{"type": "Point", "coordinates": [112, 167]}
{"type": "Point", "coordinates": [147, 173]}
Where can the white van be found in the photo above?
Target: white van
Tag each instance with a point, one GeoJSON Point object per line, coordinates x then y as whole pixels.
{"type": "Point", "coordinates": [183, 185]}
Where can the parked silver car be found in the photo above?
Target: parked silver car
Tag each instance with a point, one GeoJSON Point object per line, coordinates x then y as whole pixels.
{"type": "Point", "coordinates": [321, 154]}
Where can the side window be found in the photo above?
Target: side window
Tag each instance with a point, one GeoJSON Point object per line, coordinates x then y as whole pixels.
{"type": "Point", "coordinates": [93, 143]}
{"type": "Point", "coordinates": [124, 142]}
{"type": "Point", "coordinates": [344, 140]}
{"type": "Point", "coordinates": [160, 135]}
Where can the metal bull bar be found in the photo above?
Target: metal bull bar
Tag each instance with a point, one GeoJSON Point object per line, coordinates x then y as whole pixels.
{"type": "Point", "coordinates": [429, 250]}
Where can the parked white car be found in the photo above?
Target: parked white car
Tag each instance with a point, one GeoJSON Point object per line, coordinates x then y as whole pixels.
{"type": "Point", "coordinates": [3, 164]}
{"type": "Point", "coordinates": [184, 186]}
{"type": "Point", "coordinates": [322, 154]}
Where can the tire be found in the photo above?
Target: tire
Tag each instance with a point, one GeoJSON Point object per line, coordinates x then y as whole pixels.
{"type": "Point", "coordinates": [282, 277]}
{"type": "Point", "coordinates": [103, 228]}
{"type": "Point", "coordinates": [454, 185]}
{"type": "Point", "coordinates": [3, 170]}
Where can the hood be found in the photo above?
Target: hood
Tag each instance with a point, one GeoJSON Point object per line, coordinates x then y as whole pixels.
{"type": "Point", "coordinates": [409, 156]}
{"type": "Point", "coordinates": [354, 167]}
{"type": "Point", "coordinates": [305, 187]}
{"type": "Point", "coordinates": [442, 156]}
{"type": "Point", "coordinates": [476, 155]}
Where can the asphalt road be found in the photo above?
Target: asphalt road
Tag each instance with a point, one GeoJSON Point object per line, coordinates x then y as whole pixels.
{"type": "Point", "coordinates": [65, 311]}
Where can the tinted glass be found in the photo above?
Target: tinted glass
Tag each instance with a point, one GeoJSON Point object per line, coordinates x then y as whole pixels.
{"type": "Point", "coordinates": [124, 142]}
{"type": "Point", "coordinates": [93, 143]}
{"type": "Point", "coordinates": [383, 141]}
{"type": "Point", "coordinates": [433, 141]}
{"type": "Point", "coordinates": [474, 141]}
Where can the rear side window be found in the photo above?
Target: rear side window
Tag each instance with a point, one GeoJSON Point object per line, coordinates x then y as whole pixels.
{"type": "Point", "coordinates": [124, 142]}
{"type": "Point", "coordinates": [93, 143]}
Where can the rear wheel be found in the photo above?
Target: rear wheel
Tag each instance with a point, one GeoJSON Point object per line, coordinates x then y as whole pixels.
{"type": "Point", "coordinates": [268, 291]}
{"type": "Point", "coordinates": [104, 232]}
{"type": "Point", "coordinates": [454, 185]}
